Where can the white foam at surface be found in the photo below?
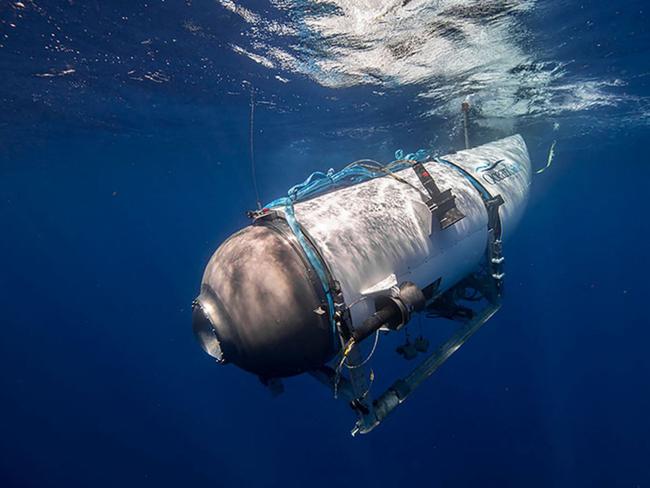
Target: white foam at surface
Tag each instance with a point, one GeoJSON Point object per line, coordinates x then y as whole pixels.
{"type": "Point", "coordinates": [449, 48]}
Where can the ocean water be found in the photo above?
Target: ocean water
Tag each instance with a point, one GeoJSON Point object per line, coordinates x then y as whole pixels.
{"type": "Point", "coordinates": [124, 162]}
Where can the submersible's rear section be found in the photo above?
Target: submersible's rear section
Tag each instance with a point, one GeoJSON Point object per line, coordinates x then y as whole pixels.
{"type": "Point", "coordinates": [283, 295]}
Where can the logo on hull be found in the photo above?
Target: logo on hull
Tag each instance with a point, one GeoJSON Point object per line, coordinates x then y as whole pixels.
{"type": "Point", "coordinates": [498, 171]}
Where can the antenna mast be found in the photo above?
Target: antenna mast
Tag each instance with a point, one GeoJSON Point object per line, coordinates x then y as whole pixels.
{"type": "Point", "coordinates": [252, 148]}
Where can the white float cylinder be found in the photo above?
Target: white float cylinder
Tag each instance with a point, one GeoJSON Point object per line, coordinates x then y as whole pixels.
{"type": "Point", "coordinates": [379, 233]}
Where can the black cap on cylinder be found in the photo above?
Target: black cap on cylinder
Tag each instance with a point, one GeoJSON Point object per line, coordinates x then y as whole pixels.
{"type": "Point", "coordinates": [392, 311]}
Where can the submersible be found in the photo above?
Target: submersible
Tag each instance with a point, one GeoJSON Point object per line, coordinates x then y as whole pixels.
{"type": "Point", "coordinates": [349, 254]}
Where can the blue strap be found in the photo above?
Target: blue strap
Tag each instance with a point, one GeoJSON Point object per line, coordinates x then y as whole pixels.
{"type": "Point", "coordinates": [313, 258]}
{"type": "Point", "coordinates": [485, 194]}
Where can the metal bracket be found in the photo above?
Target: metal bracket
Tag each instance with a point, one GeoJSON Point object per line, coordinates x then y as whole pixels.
{"type": "Point", "coordinates": [442, 204]}
{"type": "Point", "coordinates": [495, 257]}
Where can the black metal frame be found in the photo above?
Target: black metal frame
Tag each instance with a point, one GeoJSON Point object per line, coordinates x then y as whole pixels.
{"type": "Point", "coordinates": [455, 304]}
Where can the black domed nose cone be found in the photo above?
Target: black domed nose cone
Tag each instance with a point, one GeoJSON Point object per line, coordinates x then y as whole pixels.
{"type": "Point", "coordinates": [205, 332]}
{"type": "Point", "coordinates": [261, 308]}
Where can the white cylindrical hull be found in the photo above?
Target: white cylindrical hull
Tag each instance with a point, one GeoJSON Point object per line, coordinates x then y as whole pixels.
{"type": "Point", "coordinates": [380, 232]}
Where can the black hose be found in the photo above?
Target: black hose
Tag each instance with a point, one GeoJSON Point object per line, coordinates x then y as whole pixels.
{"type": "Point", "coordinates": [389, 315]}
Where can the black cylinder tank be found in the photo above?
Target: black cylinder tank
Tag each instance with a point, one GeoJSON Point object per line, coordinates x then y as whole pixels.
{"type": "Point", "coordinates": [262, 307]}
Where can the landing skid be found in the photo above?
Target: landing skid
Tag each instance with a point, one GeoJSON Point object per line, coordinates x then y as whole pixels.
{"type": "Point", "coordinates": [471, 304]}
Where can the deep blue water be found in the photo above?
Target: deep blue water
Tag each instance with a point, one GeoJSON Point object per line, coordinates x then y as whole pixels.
{"type": "Point", "coordinates": [124, 163]}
